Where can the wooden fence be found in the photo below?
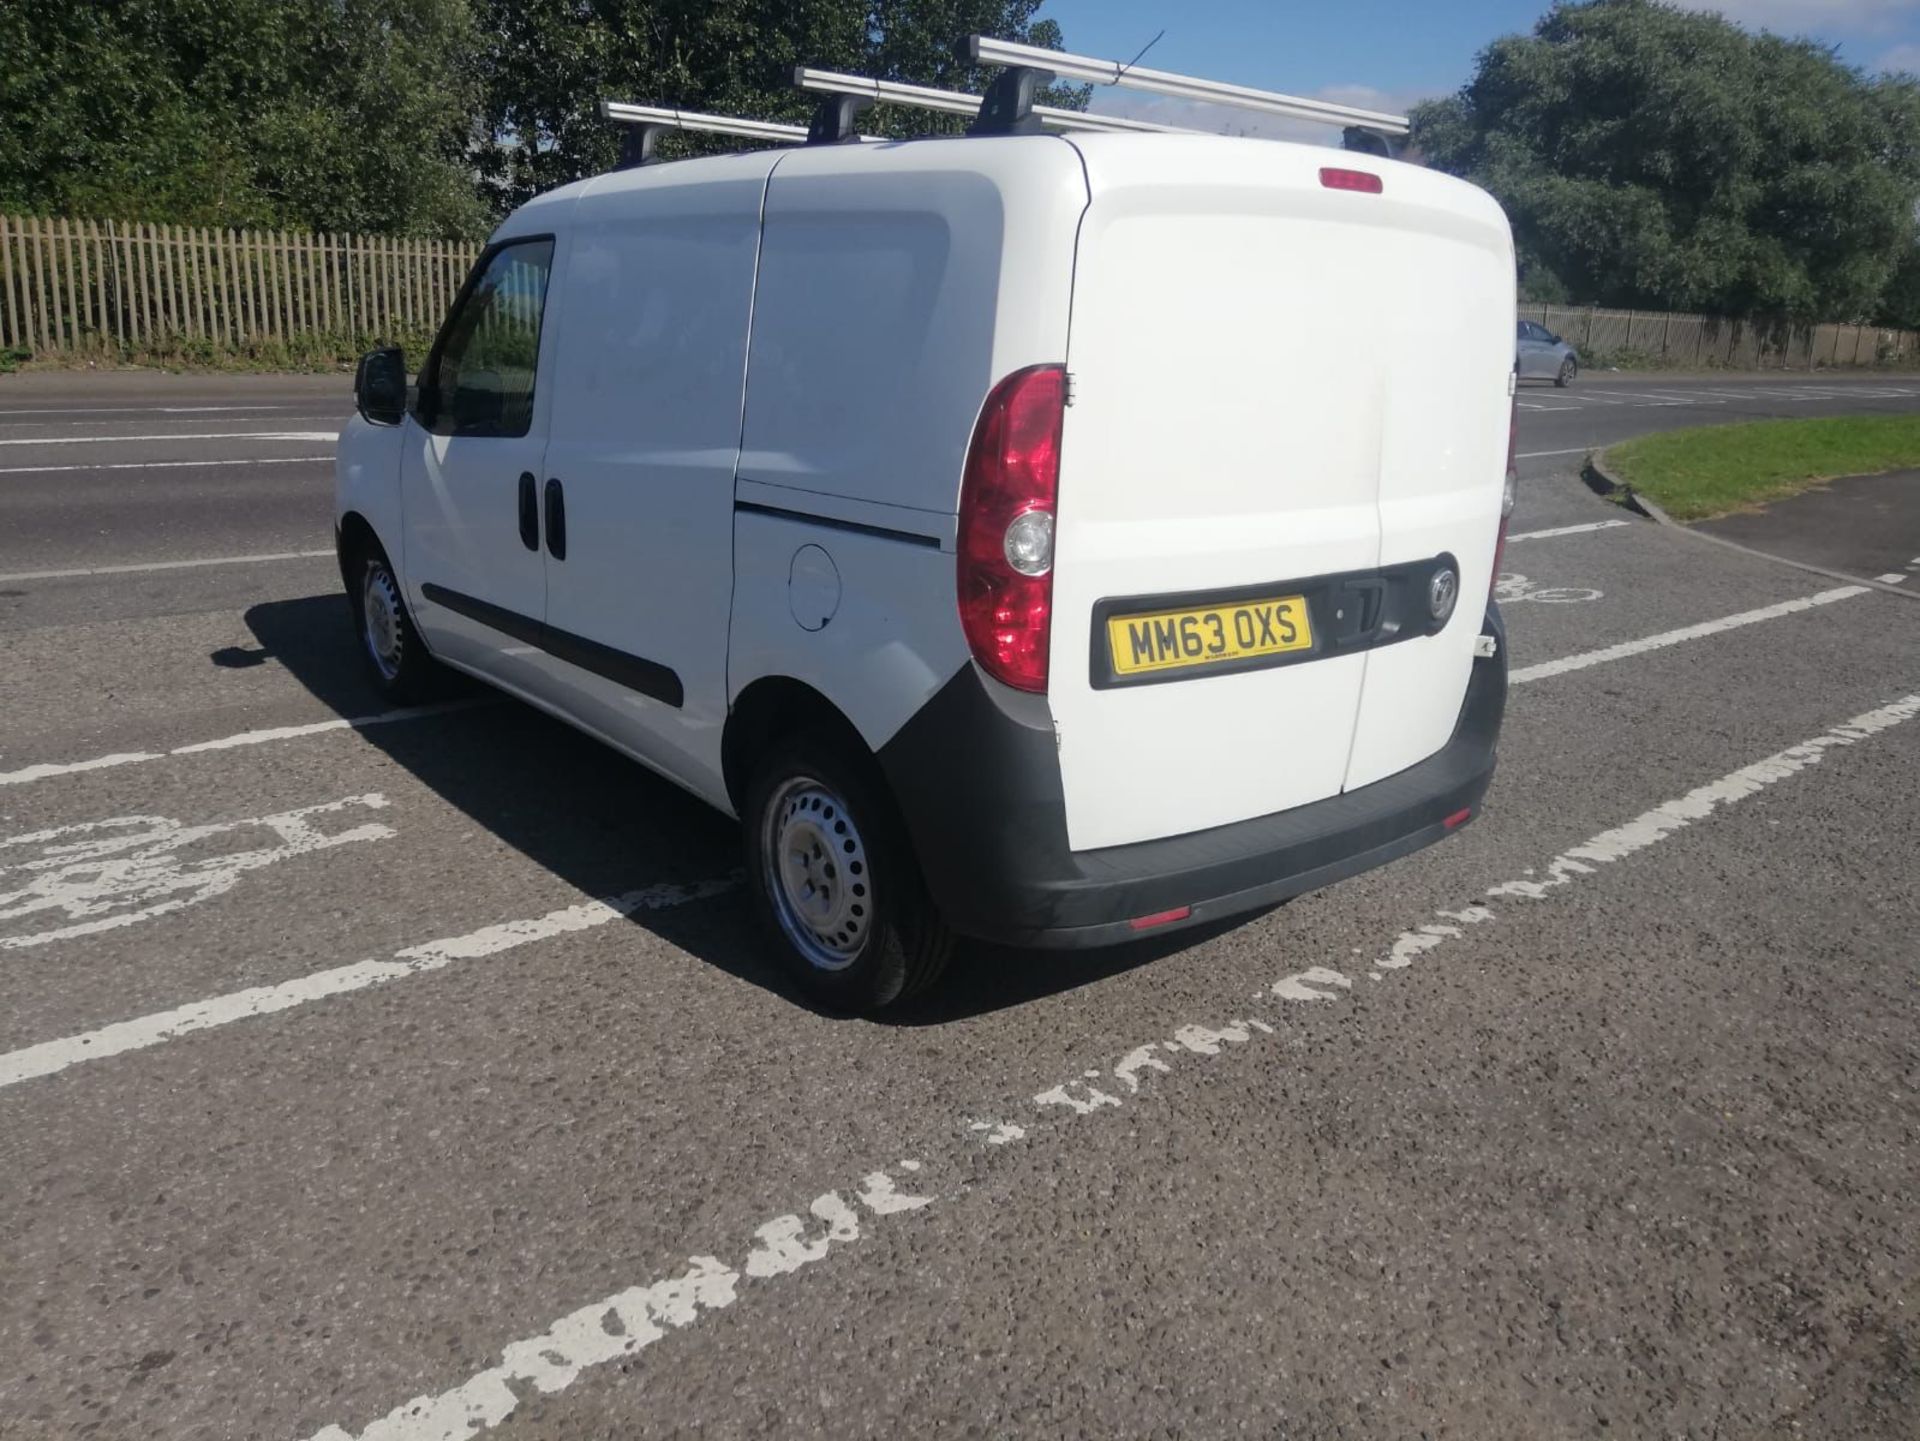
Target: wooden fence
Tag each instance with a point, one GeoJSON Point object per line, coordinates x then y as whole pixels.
{"type": "Point", "coordinates": [1712, 341]}
{"type": "Point", "coordinates": [79, 286]}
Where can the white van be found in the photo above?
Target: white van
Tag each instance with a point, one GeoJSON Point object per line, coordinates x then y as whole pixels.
{"type": "Point", "coordinates": [1043, 539]}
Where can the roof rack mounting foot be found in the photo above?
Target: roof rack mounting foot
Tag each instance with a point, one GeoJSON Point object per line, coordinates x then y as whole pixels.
{"type": "Point", "coordinates": [1007, 107]}
{"type": "Point", "coordinates": [1362, 140]}
{"type": "Point", "coordinates": [636, 145]}
{"type": "Point", "coordinates": [834, 117]}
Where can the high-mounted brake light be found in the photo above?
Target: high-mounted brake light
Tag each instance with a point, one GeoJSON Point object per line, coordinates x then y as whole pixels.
{"type": "Point", "coordinates": [1335, 178]}
{"type": "Point", "coordinates": [1004, 573]}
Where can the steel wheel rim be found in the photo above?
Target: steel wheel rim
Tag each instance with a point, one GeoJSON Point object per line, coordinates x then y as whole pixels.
{"type": "Point", "coordinates": [815, 867]}
{"type": "Point", "coordinates": [380, 621]}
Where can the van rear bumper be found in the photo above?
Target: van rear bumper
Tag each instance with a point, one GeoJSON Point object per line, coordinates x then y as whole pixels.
{"type": "Point", "coordinates": [977, 777]}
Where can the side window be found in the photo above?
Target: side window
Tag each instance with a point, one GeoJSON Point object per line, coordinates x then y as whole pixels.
{"type": "Point", "coordinates": [483, 379]}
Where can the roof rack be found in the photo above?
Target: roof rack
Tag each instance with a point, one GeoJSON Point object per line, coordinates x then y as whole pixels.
{"type": "Point", "coordinates": [649, 120]}
{"type": "Point", "coordinates": [1008, 107]}
{"type": "Point", "coordinates": [955, 102]}
{"type": "Point", "coordinates": [985, 50]}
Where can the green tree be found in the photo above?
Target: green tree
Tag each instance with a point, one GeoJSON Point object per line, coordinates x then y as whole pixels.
{"type": "Point", "coordinates": [549, 63]}
{"type": "Point", "coordinates": [1650, 156]}
{"type": "Point", "coordinates": [327, 114]}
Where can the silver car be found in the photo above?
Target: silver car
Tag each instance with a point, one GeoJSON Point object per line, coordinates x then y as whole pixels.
{"type": "Point", "coordinates": [1542, 355]}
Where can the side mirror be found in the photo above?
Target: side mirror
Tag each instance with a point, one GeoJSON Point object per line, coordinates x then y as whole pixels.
{"type": "Point", "coordinates": [380, 386]}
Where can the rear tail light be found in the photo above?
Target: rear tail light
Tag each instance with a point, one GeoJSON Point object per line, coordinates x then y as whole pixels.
{"type": "Point", "coordinates": [1508, 496]}
{"type": "Point", "coordinates": [1007, 503]}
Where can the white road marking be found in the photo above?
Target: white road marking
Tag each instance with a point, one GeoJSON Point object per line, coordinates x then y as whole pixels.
{"type": "Point", "coordinates": [1892, 577]}
{"type": "Point", "coordinates": [167, 464]}
{"type": "Point", "coordinates": [328, 435]}
{"type": "Point", "coordinates": [181, 564]}
{"type": "Point", "coordinates": [1538, 534]}
{"type": "Point", "coordinates": [1697, 804]}
{"type": "Point", "coordinates": [48, 770]}
{"type": "Point", "coordinates": [1686, 633]}
{"type": "Point", "coordinates": [628, 1320]}
{"type": "Point", "coordinates": [51, 1057]}
{"type": "Point", "coordinates": [1513, 588]}
{"type": "Point", "coordinates": [105, 875]}
{"type": "Point", "coordinates": [1536, 454]}
{"type": "Point", "coordinates": [150, 409]}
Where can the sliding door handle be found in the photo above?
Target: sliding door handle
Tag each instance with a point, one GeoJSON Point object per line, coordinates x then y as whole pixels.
{"type": "Point", "coordinates": [529, 512]}
{"type": "Point", "coordinates": [556, 521]}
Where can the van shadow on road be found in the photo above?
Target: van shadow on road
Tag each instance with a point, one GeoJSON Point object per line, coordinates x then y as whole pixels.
{"type": "Point", "coordinates": [605, 824]}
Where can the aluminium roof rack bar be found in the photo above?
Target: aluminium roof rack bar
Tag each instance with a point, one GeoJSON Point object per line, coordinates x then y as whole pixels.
{"type": "Point", "coordinates": [953, 102]}
{"type": "Point", "coordinates": [667, 118]}
{"type": "Point", "coordinates": [986, 50]}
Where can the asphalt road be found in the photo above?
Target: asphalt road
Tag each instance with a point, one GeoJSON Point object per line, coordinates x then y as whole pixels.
{"type": "Point", "coordinates": [336, 1101]}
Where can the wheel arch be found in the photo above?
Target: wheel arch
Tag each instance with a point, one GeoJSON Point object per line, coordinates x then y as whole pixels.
{"type": "Point", "coordinates": [772, 707]}
{"type": "Point", "coordinates": [353, 534]}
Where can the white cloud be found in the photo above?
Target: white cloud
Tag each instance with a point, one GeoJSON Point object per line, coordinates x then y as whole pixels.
{"type": "Point", "coordinates": [1901, 57]}
{"type": "Point", "coordinates": [1227, 120]}
{"type": "Point", "coordinates": [1822, 17]}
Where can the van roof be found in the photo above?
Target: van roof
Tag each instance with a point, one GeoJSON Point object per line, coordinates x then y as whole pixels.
{"type": "Point", "coordinates": [1113, 159]}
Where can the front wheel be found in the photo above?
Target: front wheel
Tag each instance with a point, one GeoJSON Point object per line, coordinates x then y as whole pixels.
{"type": "Point", "coordinates": [390, 648]}
{"type": "Point", "coordinates": [833, 880]}
{"type": "Point", "coordinates": [1568, 369]}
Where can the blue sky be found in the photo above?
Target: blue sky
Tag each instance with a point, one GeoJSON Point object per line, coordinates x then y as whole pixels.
{"type": "Point", "coordinates": [1385, 55]}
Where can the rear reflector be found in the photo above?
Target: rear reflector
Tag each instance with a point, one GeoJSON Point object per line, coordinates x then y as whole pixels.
{"type": "Point", "coordinates": [1160, 918]}
{"type": "Point", "coordinates": [1458, 819]}
{"type": "Point", "coordinates": [1362, 180]}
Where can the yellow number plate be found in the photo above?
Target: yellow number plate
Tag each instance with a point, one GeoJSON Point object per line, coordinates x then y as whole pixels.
{"type": "Point", "coordinates": [1178, 639]}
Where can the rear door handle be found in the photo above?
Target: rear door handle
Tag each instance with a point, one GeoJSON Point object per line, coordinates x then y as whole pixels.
{"type": "Point", "coordinates": [556, 521]}
{"type": "Point", "coordinates": [529, 512]}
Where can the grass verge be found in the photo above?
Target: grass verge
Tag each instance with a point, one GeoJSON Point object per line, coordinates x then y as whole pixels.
{"type": "Point", "coordinates": [1709, 471]}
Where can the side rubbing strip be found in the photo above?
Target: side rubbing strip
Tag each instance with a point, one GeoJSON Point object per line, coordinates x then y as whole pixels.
{"type": "Point", "coordinates": [636, 673]}
{"type": "Point", "coordinates": [507, 622]}
{"type": "Point", "coordinates": [827, 522]}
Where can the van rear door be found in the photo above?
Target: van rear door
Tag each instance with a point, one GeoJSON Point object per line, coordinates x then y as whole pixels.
{"type": "Point", "coordinates": [1275, 392]}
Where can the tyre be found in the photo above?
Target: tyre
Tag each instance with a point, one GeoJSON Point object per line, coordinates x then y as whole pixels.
{"type": "Point", "coordinates": [390, 648]}
{"type": "Point", "coordinates": [834, 883]}
{"type": "Point", "coordinates": [1568, 369]}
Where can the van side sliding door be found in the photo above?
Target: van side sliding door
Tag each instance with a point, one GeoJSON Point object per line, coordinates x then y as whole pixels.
{"type": "Point", "coordinates": [646, 437]}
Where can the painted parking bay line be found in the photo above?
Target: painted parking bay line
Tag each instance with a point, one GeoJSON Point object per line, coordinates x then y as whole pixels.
{"type": "Point", "coordinates": [326, 435]}
{"type": "Point", "coordinates": [1705, 628]}
{"type": "Point", "coordinates": [1534, 534]}
{"type": "Point", "coordinates": [50, 769]}
{"type": "Point", "coordinates": [51, 1057]}
{"type": "Point", "coordinates": [150, 409]}
{"type": "Point", "coordinates": [166, 464]}
{"type": "Point", "coordinates": [178, 564]}
{"type": "Point", "coordinates": [625, 1322]}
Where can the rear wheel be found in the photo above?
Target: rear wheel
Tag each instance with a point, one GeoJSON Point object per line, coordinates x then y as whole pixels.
{"type": "Point", "coordinates": [833, 881]}
{"type": "Point", "coordinates": [1568, 369]}
{"type": "Point", "coordinates": [390, 648]}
